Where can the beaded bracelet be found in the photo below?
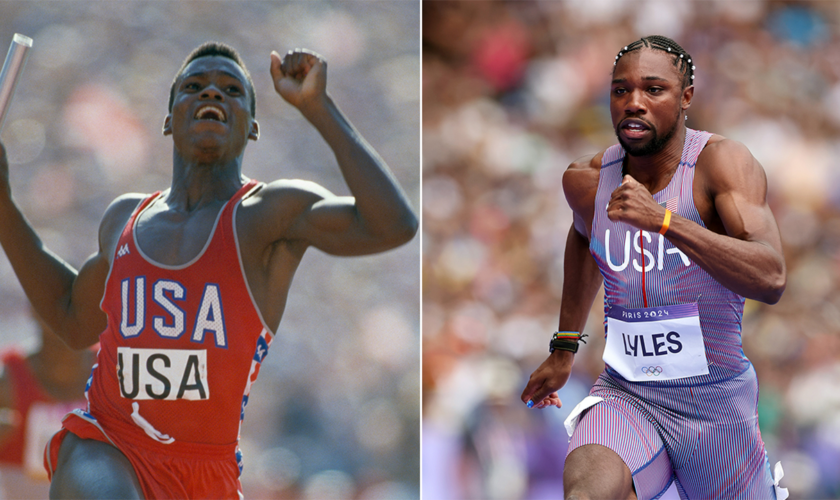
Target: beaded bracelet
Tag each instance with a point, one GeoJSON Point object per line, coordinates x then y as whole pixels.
{"type": "Point", "coordinates": [566, 341]}
{"type": "Point", "coordinates": [555, 345]}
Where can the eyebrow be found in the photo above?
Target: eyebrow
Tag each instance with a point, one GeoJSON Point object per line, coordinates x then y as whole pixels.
{"type": "Point", "coordinates": [202, 73]}
{"type": "Point", "coordinates": [645, 78]}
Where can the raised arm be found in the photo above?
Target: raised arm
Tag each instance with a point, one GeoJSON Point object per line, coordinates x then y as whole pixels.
{"type": "Point", "coordinates": [378, 216]}
{"type": "Point", "coordinates": [741, 247]}
{"type": "Point", "coordinates": [67, 300]}
{"type": "Point", "coordinates": [581, 282]}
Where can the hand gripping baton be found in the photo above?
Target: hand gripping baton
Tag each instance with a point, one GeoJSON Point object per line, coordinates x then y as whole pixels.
{"type": "Point", "coordinates": [12, 69]}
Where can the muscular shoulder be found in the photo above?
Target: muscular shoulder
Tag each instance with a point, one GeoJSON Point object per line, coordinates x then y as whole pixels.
{"type": "Point", "coordinates": [293, 191]}
{"type": "Point", "coordinates": [272, 209]}
{"type": "Point", "coordinates": [726, 165]}
{"type": "Point", "coordinates": [580, 182]}
{"type": "Point", "coordinates": [115, 218]}
{"type": "Point", "coordinates": [288, 195]}
{"type": "Point", "coordinates": [721, 149]}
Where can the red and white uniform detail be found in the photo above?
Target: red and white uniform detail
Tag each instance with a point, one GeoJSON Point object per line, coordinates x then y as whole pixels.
{"type": "Point", "coordinates": [182, 342]}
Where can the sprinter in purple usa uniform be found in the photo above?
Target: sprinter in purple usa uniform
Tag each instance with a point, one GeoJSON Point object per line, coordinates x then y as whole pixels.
{"type": "Point", "coordinates": [676, 225]}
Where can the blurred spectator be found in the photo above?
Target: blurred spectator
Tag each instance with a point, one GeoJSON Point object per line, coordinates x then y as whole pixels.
{"type": "Point", "coordinates": [85, 126]}
{"type": "Point", "coordinates": [36, 391]}
{"type": "Point", "coordinates": [496, 142]}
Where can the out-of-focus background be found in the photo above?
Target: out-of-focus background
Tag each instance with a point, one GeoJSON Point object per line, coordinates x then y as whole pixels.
{"type": "Point", "coordinates": [335, 413]}
{"type": "Point", "coordinates": [512, 93]}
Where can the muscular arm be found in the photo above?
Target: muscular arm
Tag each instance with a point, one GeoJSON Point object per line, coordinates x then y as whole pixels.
{"type": "Point", "coordinates": [581, 282]}
{"type": "Point", "coordinates": [581, 277]}
{"type": "Point", "coordinates": [67, 300]}
{"type": "Point", "coordinates": [378, 216]}
{"type": "Point", "coordinates": [741, 248]}
{"type": "Point", "coordinates": [747, 259]}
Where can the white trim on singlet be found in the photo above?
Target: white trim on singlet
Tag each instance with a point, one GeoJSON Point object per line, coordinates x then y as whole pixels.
{"type": "Point", "coordinates": [253, 190]}
{"type": "Point", "coordinates": [176, 267]}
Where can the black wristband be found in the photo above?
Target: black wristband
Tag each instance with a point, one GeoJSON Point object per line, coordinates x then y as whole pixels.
{"type": "Point", "coordinates": [563, 345]}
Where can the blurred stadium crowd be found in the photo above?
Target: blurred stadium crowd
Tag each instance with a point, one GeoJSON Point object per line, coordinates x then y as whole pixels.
{"type": "Point", "coordinates": [336, 411]}
{"type": "Point", "coordinates": [512, 93]}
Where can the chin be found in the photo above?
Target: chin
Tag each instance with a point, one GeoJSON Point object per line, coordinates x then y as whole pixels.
{"type": "Point", "coordinates": [643, 149]}
{"type": "Point", "coordinates": [653, 145]}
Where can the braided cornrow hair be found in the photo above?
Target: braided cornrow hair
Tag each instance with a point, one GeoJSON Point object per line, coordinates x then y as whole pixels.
{"type": "Point", "coordinates": [682, 60]}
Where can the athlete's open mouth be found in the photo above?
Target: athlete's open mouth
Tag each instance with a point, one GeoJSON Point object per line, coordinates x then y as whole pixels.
{"type": "Point", "coordinates": [209, 112]}
{"type": "Point", "coordinates": [634, 129]}
{"type": "Point", "coordinates": [633, 125]}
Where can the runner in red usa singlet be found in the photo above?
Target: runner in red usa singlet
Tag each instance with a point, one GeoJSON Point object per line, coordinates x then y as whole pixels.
{"type": "Point", "coordinates": [181, 341]}
{"type": "Point", "coordinates": [188, 285]}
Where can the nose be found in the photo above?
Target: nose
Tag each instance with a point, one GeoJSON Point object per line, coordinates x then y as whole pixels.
{"type": "Point", "coordinates": [211, 92]}
{"type": "Point", "coordinates": [635, 103]}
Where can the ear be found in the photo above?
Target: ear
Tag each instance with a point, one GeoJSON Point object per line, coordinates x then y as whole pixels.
{"type": "Point", "coordinates": [254, 134]}
{"type": "Point", "coordinates": [687, 95]}
{"type": "Point", "coordinates": [167, 125]}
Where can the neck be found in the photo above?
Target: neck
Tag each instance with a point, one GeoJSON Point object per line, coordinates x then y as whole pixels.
{"type": "Point", "coordinates": [196, 183]}
{"type": "Point", "coordinates": [655, 170]}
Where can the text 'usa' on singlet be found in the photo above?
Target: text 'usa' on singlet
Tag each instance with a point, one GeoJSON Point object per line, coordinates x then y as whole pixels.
{"type": "Point", "coordinates": [183, 343]}
{"type": "Point", "coordinates": [670, 276]}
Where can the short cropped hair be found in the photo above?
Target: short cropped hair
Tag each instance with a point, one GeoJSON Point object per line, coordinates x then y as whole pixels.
{"type": "Point", "coordinates": [682, 59]}
{"type": "Point", "coordinates": [207, 49]}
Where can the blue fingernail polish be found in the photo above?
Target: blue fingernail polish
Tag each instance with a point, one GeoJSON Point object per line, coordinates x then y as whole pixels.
{"type": "Point", "coordinates": [530, 404]}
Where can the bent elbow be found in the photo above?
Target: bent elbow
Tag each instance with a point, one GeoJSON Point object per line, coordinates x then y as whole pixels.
{"type": "Point", "coordinates": [405, 230]}
{"type": "Point", "coordinates": [75, 342]}
{"type": "Point", "coordinates": [775, 289]}
{"type": "Point", "coordinates": [75, 339]}
{"type": "Point", "coordinates": [398, 232]}
{"type": "Point", "coordinates": [411, 226]}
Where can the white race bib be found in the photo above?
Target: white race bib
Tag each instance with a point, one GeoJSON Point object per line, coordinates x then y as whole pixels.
{"type": "Point", "coordinates": [655, 343]}
{"type": "Point", "coordinates": [162, 373]}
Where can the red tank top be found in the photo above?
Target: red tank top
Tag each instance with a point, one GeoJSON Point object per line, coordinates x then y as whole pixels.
{"type": "Point", "coordinates": [183, 343]}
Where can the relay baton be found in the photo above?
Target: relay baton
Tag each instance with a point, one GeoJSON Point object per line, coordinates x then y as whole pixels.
{"type": "Point", "coordinates": [12, 69]}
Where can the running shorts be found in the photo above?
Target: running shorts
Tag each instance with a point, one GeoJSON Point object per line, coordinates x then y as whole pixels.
{"type": "Point", "coordinates": [165, 471]}
{"type": "Point", "coordinates": [704, 437]}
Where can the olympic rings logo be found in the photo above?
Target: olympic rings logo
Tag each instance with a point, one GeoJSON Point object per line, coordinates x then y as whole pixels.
{"type": "Point", "coordinates": [652, 371]}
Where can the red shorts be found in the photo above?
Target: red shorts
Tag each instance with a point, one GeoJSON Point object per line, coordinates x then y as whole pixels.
{"type": "Point", "coordinates": [165, 471]}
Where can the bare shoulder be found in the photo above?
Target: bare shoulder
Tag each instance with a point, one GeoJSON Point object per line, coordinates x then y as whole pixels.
{"type": "Point", "coordinates": [296, 187]}
{"type": "Point", "coordinates": [726, 164]}
{"type": "Point", "coordinates": [584, 170]}
{"type": "Point", "coordinates": [120, 209]}
{"type": "Point", "coordinates": [722, 149]}
{"type": "Point", "coordinates": [287, 194]}
{"type": "Point", "coordinates": [580, 181]}
{"type": "Point", "coordinates": [115, 218]}
{"type": "Point", "coordinates": [268, 214]}
{"type": "Point", "coordinates": [125, 203]}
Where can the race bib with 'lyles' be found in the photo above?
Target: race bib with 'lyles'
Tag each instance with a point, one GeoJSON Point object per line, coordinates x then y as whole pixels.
{"type": "Point", "coordinates": [655, 343]}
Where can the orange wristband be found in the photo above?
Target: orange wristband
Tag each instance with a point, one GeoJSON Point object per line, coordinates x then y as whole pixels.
{"type": "Point", "coordinates": [665, 223]}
